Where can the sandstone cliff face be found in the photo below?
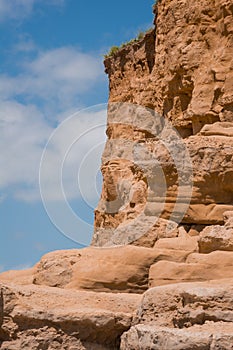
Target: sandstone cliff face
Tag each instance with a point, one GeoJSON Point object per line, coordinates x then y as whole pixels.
{"type": "Point", "coordinates": [182, 69]}
{"type": "Point", "coordinates": [159, 273]}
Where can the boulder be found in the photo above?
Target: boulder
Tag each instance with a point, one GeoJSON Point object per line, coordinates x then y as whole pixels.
{"type": "Point", "coordinates": [217, 237]}
{"type": "Point", "coordinates": [38, 317]}
{"type": "Point", "coordinates": [185, 316]}
{"type": "Point", "coordinates": [210, 336]}
{"type": "Point", "coordinates": [198, 267]}
{"type": "Point", "coordinates": [102, 269]}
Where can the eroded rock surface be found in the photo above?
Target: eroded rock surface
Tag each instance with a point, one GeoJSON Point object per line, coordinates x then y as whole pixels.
{"type": "Point", "coordinates": [165, 215]}
{"type": "Point", "coordinates": [51, 318]}
{"type": "Point", "coordinates": [183, 70]}
{"type": "Point", "coordinates": [184, 317]}
{"type": "Point", "coordinates": [217, 237]}
{"type": "Point", "coordinates": [117, 269]}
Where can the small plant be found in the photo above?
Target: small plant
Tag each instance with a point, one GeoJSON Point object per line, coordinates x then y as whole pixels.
{"type": "Point", "coordinates": [112, 51]}
{"type": "Point", "coordinates": [128, 43]}
{"type": "Point", "coordinates": [115, 49]}
{"type": "Point", "coordinates": [140, 35]}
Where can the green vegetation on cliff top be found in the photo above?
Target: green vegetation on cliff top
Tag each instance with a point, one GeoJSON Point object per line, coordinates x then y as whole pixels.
{"type": "Point", "coordinates": [114, 49]}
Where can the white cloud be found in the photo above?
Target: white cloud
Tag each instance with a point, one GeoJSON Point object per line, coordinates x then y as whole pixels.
{"type": "Point", "coordinates": [15, 9]}
{"type": "Point", "coordinates": [2, 198]}
{"type": "Point", "coordinates": [20, 9]}
{"type": "Point", "coordinates": [46, 88]}
{"type": "Point", "coordinates": [24, 133]}
{"type": "Point", "coordinates": [73, 157]}
{"type": "Point", "coordinates": [57, 77]}
{"type": "Point", "coordinates": [62, 74]}
{"type": "Point", "coordinates": [25, 44]}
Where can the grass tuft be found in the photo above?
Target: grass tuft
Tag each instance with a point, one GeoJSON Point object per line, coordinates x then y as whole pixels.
{"type": "Point", "coordinates": [114, 49]}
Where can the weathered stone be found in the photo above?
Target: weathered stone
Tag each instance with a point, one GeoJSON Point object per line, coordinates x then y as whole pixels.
{"type": "Point", "coordinates": [53, 318]}
{"type": "Point", "coordinates": [219, 128]}
{"type": "Point", "coordinates": [210, 336]}
{"type": "Point", "coordinates": [20, 277]}
{"type": "Point", "coordinates": [103, 269]}
{"type": "Point", "coordinates": [173, 72]}
{"type": "Point", "coordinates": [144, 231]}
{"type": "Point", "coordinates": [198, 267]}
{"type": "Point", "coordinates": [216, 238]}
{"type": "Point", "coordinates": [185, 316]}
{"type": "Point", "coordinates": [183, 242]}
{"type": "Point", "coordinates": [162, 191]}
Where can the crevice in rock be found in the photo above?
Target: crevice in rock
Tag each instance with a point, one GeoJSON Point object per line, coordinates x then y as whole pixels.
{"type": "Point", "coordinates": [150, 49]}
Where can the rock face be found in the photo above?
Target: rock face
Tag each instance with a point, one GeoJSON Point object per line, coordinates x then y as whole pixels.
{"type": "Point", "coordinates": [184, 317]}
{"type": "Point", "coordinates": [101, 269]}
{"type": "Point", "coordinates": [217, 237]}
{"type": "Point", "coordinates": [51, 318]}
{"type": "Point", "coordinates": [159, 273]}
{"type": "Point", "coordinates": [182, 69]}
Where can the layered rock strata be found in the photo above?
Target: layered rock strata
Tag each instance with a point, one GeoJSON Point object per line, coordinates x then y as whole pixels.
{"type": "Point", "coordinates": [159, 274]}
{"type": "Point", "coordinates": [183, 70]}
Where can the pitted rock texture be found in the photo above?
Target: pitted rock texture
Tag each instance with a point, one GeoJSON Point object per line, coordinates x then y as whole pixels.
{"type": "Point", "coordinates": [217, 237]}
{"type": "Point", "coordinates": [159, 274]}
{"type": "Point", "coordinates": [36, 317]}
{"type": "Point", "coordinates": [122, 269]}
{"type": "Point", "coordinates": [183, 317]}
{"type": "Point", "coordinates": [212, 259]}
{"type": "Point", "coordinates": [183, 70]}
{"type": "Point", "coordinates": [211, 336]}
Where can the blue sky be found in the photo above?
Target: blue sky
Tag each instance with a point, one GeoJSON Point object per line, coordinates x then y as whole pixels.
{"type": "Point", "coordinates": [50, 68]}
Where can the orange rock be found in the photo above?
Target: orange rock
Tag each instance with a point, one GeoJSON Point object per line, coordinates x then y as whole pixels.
{"type": "Point", "coordinates": [117, 269]}
{"type": "Point", "coordinates": [198, 267]}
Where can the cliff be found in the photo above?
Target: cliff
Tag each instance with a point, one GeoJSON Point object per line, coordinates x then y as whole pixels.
{"type": "Point", "coordinates": [183, 70]}
{"type": "Point", "coordinates": [159, 273]}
